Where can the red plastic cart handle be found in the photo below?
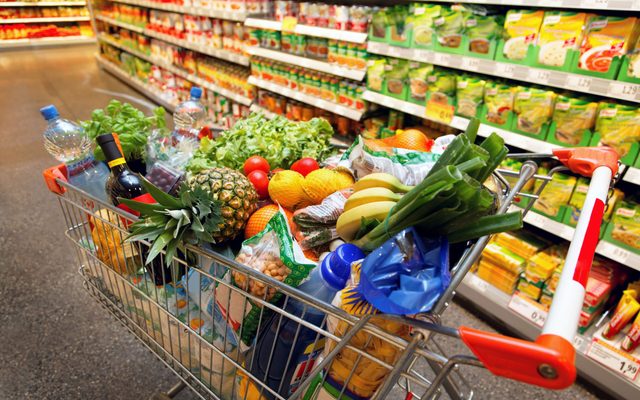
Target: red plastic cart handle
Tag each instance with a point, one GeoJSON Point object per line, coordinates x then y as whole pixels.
{"type": "Point", "coordinates": [549, 361]}
{"type": "Point", "coordinates": [52, 174]}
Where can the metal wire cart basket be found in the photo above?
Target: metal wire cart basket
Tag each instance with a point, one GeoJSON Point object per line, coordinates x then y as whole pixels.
{"type": "Point", "coordinates": [181, 316]}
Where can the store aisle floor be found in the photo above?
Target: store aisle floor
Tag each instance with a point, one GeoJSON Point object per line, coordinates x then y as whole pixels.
{"type": "Point", "coordinates": [57, 343]}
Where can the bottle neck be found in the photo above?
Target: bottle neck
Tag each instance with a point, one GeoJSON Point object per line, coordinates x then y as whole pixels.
{"type": "Point", "coordinates": [53, 120]}
{"type": "Point", "coordinates": [119, 168]}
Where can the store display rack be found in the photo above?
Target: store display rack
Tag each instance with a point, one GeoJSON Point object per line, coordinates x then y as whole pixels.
{"type": "Point", "coordinates": [53, 41]}
{"type": "Point", "coordinates": [180, 72]}
{"type": "Point", "coordinates": [304, 62]}
{"type": "Point", "coordinates": [305, 98]}
{"type": "Point", "coordinates": [257, 109]}
{"type": "Point", "coordinates": [42, 3]}
{"type": "Point", "coordinates": [43, 20]}
{"type": "Point", "coordinates": [217, 53]}
{"type": "Point", "coordinates": [622, 5]}
{"type": "Point", "coordinates": [564, 80]}
{"type": "Point", "coordinates": [345, 36]}
{"type": "Point", "coordinates": [190, 10]}
{"type": "Point", "coordinates": [135, 83]}
{"type": "Point", "coordinates": [496, 303]}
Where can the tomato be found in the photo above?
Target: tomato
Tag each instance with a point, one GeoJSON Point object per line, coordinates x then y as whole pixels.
{"type": "Point", "coordinates": [260, 181]}
{"type": "Point", "coordinates": [256, 163]}
{"type": "Point", "coordinates": [305, 165]}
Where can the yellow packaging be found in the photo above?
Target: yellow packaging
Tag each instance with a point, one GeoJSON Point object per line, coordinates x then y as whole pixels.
{"type": "Point", "coordinates": [606, 37]}
{"type": "Point", "coordinates": [521, 243]}
{"type": "Point", "coordinates": [634, 61]}
{"type": "Point", "coordinates": [533, 108]}
{"type": "Point", "coordinates": [498, 277]}
{"type": "Point", "coordinates": [618, 126]}
{"type": "Point", "coordinates": [529, 289]}
{"type": "Point", "coordinates": [546, 300]}
{"type": "Point", "coordinates": [560, 32]}
{"type": "Point", "coordinates": [521, 29]}
{"type": "Point", "coordinates": [540, 267]}
{"type": "Point", "coordinates": [557, 193]}
{"type": "Point", "coordinates": [498, 255]}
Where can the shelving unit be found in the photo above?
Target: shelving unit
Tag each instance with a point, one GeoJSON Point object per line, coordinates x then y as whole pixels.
{"type": "Point", "coordinates": [632, 175]}
{"type": "Point", "coordinates": [622, 5]}
{"type": "Point", "coordinates": [345, 36]}
{"type": "Point", "coordinates": [44, 20]}
{"type": "Point", "coordinates": [496, 303]}
{"type": "Point", "coordinates": [138, 85]}
{"type": "Point", "coordinates": [54, 41]}
{"type": "Point", "coordinates": [257, 109]}
{"type": "Point", "coordinates": [190, 10]}
{"type": "Point", "coordinates": [314, 101]}
{"type": "Point", "coordinates": [42, 3]}
{"type": "Point", "coordinates": [541, 76]}
{"type": "Point", "coordinates": [304, 62]}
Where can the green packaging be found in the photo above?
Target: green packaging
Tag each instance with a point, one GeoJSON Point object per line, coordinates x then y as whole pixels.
{"type": "Point", "coordinates": [625, 225]}
{"type": "Point", "coordinates": [618, 126]}
{"type": "Point", "coordinates": [498, 98]}
{"type": "Point", "coordinates": [418, 85]}
{"type": "Point", "coordinates": [375, 74]}
{"type": "Point", "coordinates": [442, 86]}
{"type": "Point", "coordinates": [573, 119]}
{"type": "Point", "coordinates": [395, 76]}
{"type": "Point", "coordinates": [469, 94]}
{"type": "Point", "coordinates": [422, 24]}
{"type": "Point", "coordinates": [533, 108]}
{"type": "Point", "coordinates": [482, 31]}
{"type": "Point", "coordinates": [449, 26]}
{"type": "Point", "coordinates": [556, 194]}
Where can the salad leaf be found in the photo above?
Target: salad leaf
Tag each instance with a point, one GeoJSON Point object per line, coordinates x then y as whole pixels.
{"type": "Point", "coordinates": [280, 141]}
{"type": "Point", "coordinates": [131, 125]}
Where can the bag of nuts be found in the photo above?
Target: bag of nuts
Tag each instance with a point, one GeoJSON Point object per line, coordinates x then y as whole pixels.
{"type": "Point", "coordinates": [273, 252]}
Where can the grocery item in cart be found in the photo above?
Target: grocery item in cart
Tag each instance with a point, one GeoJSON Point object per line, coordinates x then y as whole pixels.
{"type": "Point", "coordinates": [572, 116]}
{"type": "Point", "coordinates": [189, 118]}
{"type": "Point", "coordinates": [521, 29]}
{"type": "Point", "coordinates": [618, 126]}
{"type": "Point", "coordinates": [109, 240]}
{"type": "Point", "coordinates": [274, 253]}
{"type": "Point", "coordinates": [606, 37]}
{"type": "Point", "coordinates": [533, 108]}
{"type": "Point", "coordinates": [561, 31]}
{"type": "Point", "coordinates": [469, 94]}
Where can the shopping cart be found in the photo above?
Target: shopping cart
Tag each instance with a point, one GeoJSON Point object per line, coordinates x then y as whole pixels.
{"type": "Point", "coordinates": [183, 327]}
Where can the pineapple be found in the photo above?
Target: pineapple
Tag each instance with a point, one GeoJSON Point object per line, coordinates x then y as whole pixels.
{"type": "Point", "coordinates": [237, 196]}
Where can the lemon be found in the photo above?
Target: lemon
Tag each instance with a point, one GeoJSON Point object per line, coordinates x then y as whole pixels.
{"type": "Point", "coordinates": [322, 182]}
{"type": "Point", "coordinates": [285, 188]}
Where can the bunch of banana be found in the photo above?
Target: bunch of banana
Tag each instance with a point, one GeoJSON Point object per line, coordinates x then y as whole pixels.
{"type": "Point", "coordinates": [374, 196]}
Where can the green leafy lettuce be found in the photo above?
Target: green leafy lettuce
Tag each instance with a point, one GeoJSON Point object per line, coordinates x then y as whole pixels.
{"type": "Point", "coordinates": [131, 125]}
{"type": "Point", "coordinates": [279, 140]}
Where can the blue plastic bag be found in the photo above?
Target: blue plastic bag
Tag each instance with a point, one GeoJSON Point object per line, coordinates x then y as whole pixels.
{"type": "Point", "coordinates": [407, 274]}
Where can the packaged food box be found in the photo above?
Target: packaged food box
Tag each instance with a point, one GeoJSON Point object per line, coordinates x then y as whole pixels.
{"type": "Point", "coordinates": [606, 37]}
{"type": "Point", "coordinates": [531, 289]}
{"type": "Point", "coordinates": [586, 319]}
{"type": "Point", "coordinates": [597, 292]}
{"type": "Point", "coordinates": [546, 299]}
{"type": "Point", "coordinates": [574, 118]}
{"type": "Point", "coordinates": [626, 224]}
{"type": "Point", "coordinates": [498, 255]}
{"type": "Point", "coordinates": [521, 28]}
{"type": "Point", "coordinates": [482, 29]}
{"type": "Point", "coordinates": [498, 100]}
{"type": "Point", "coordinates": [522, 243]}
{"type": "Point", "coordinates": [442, 86]}
{"type": "Point", "coordinates": [533, 108]}
{"type": "Point", "coordinates": [498, 277]}
{"type": "Point", "coordinates": [449, 26]}
{"type": "Point", "coordinates": [618, 126]}
{"type": "Point", "coordinates": [540, 267]}
{"type": "Point", "coordinates": [560, 32]}
{"type": "Point", "coordinates": [556, 194]}
{"type": "Point", "coordinates": [469, 95]}
{"type": "Point", "coordinates": [418, 85]}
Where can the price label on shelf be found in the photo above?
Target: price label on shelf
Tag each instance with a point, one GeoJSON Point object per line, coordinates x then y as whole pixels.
{"type": "Point", "coordinates": [616, 253]}
{"type": "Point", "coordinates": [439, 112]}
{"type": "Point", "coordinates": [289, 24]}
{"type": "Point", "coordinates": [596, 3]}
{"type": "Point", "coordinates": [539, 76]}
{"type": "Point", "coordinates": [626, 90]}
{"type": "Point", "coordinates": [442, 59]}
{"type": "Point", "coordinates": [577, 82]}
{"type": "Point", "coordinates": [470, 64]}
{"type": "Point", "coordinates": [504, 69]}
{"type": "Point", "coordinates": [529, 309]}
{"type": "Point", "coordinates": [614, 359]}
{"type": "Point", "coordinates": [479, 284]}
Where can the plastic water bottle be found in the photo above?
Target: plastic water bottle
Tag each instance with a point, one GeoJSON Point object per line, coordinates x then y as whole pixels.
{"type": "Point", "coordinates": [189, 117]}
{"type": "Point", "coordinates": [66, 142]}
{"type": "Point", "coordinates": [285, 347]}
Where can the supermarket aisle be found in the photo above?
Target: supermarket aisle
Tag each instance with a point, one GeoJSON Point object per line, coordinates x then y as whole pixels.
{"type": "Point", "coordinates": [57, 343]}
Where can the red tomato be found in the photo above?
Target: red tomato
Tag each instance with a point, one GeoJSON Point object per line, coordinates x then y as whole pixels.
{"type": "Point", "coordinates": [305, 165]}
{"type": "Point", "coordinates": [260, 181]}
{"type": "Point", "coordinates": [256, 163]}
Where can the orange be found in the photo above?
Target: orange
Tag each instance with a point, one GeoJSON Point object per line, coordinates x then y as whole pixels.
{"type": "Point", "coordinates": [259, 219]}
{"type": "Point", "coordinates": [411, 139]}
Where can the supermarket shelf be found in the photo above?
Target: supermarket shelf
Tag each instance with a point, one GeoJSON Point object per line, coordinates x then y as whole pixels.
{"type": "Point", "coordinates": [563, 80]}
{"type": "Point", "coordinates": [136, 84]}
{"type": "Point", "coordinates": [41, 3]}
{"type": "Point", "coordinates": [314, 101]}
{"type": "Point", "coordinates": [184, 74]}
{"type": "Point", "coordinates": [217, 53]}
{"type": "Point", "coordinates": [345, 36]}
{"type": "Point", "coordinates": [37, 20]}
{"type": "Point", "coordinates": [200, 11]}
{"type": "Point", "coordinates": [632, 175]}
{"type": "Point", "coordinates": [257, 109]}
{"type": "Point", "coordinates": [623, 5]}
{"type": "Point", "coordinates": [495, 303]}
{"type": "Point", "coordinates": [619, 254]}
{"type": "Point", "coordinates": [305, 62]}
{"type": "Point", "coordinates": [53, 41]}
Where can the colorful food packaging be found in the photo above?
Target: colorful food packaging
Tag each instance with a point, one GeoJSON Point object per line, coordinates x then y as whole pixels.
{"type": "Point", "coordinates": [560, 32]}
{"type": "Point", "coordinates": [423, 16]}
{"type": "Point", "coordinates": [531, 289]}
{"type": "Point", "coordinates": [533, 108]}
{"type": "Point", "coordinates": [378, 26]}
{"type": "Point", "coordinates": [442, 86]}
{"type": "Point", "coordinates": [500, 278]}
{"type": "Point", "coordinates": [469, 94]}
{"type": "Point", "coordinates": [572, 116]}
{"type": "Point", "coordinates": [507, 260]}
{"type": "Point", "coordinates": [618, 126]}
{"type": "Point", "coordinates": [597, 293]}
{"type": "Point", "coordinates": [633, 70]}
{"type": "Point", "coordinates": [498, 99]}
{"type": "Point", "coordinates": [579, 195]}
{"type": "Point", "coordinates": [556, 194]}
{"type": "Point", "coordinates": [626, 309]}
{"type": "Point", "coordinates": [418, 85]}
{"type": "Point", "coordinates": [396, 72]}
{"type": "Point", "coordinates": [449, 26]}
{"type": "Point", "coordinates": [632, 339]}
{"type": "Point", "coordinates": [482, 30]}
{"type": "Point", "coordinates": [606, 37]}
{"type": "Point", "coordinates": [626, 224]}
{"type": "Point", "coordinates": [522, 243]}
{"type": "Point", "coordinates": [540, 267]}
{"type": "Point", "coordinates": [521, 29]}
{"type": "Point", "coordinates": [375, 74]}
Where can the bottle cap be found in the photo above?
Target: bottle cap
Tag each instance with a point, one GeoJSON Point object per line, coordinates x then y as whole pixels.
{"type": "Point", "coordinates": [336, 267]}
{"type": "Point", "coordinates": [49, 112]}
{"type": "Point", "coordinates": [196, 92]}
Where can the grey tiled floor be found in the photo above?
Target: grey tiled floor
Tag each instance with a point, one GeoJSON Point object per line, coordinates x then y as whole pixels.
{"type": "Point", "coordinates": [56, 343]}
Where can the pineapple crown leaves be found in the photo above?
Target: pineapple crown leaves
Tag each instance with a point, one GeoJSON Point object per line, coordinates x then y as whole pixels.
{"type": "Point", "coordinates": [173, 221]}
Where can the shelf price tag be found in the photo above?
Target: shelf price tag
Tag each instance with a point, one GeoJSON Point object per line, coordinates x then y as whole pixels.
{"type": "Point", "coordinates": [478, 283]}
{"type": "Point", "coordinates": [577, 82]}
{"type": "Point", "coordinates": [289, 24]}
{"type": "Point", "coordinates": [439, 112]}
{"type": "Point", "coordinates": [528, 309]}
{"type": "Point", "coordinates": [626, 90]}
{"type": "Point", "coordinates": [617, 253]}
{"type": "Point", "coordinates": [614, 359]}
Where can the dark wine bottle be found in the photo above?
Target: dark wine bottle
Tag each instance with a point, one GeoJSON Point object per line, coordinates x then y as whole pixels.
{"type": "Point", "coordinates": [126, 184]}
